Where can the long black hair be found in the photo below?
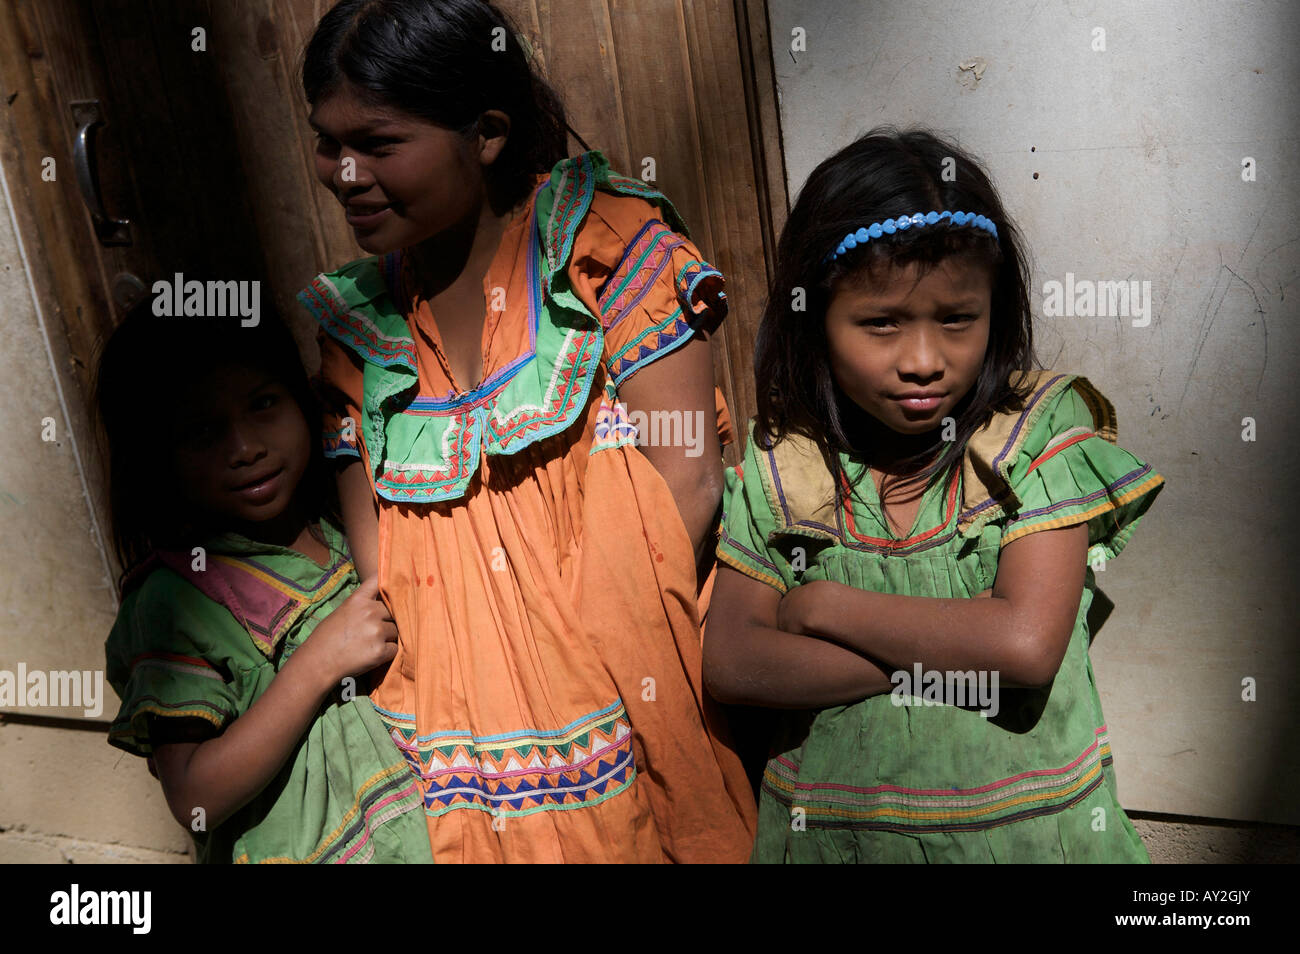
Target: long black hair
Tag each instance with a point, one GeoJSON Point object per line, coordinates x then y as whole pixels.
{"type": "Point", "coordinates": [448, 62]}
{"type": "Point", "coordinates": [146, 362]}
{"type": "Point", "coordinates": [884, 174]}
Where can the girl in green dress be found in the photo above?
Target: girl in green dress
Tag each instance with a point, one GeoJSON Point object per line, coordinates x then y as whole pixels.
{"type": "Point", "coordinates": [909, 546]}
{"type": "Point", "coordinates": [266, 748]}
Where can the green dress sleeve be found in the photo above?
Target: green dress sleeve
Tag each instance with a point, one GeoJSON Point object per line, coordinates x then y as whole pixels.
{"type": "Point", "coordinates": [1070, 471]}
{"type": "Point", "coordinates": [164, 664]}
{"type": "Point", "coordinates": [747, 522]}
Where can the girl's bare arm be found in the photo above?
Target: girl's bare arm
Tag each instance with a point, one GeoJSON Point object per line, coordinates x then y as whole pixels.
{"type": "Point", "coordinates": [223, 774]}
{"type": "Point", "coordinates": [750, 660]}
{"type": "Point", "coordinates": [360, 518]}
{"type": "Point", "coordinates": [1021, 633]}
{"type": "Point", "coordinates": [679, 387]}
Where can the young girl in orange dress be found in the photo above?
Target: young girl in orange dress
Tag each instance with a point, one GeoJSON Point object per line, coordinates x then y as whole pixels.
{"type": "Point", "coordinates": [521, 313]}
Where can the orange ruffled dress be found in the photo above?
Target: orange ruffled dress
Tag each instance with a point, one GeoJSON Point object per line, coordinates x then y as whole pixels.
{"type": "Point", "coordinates": [546, 689]}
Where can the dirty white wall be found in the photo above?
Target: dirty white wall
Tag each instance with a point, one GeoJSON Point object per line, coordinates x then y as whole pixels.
{"type": "Point", "coordinates": [1126, 164]}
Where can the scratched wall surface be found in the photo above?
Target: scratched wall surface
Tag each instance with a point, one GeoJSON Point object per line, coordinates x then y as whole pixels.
{"type": "Point", "coordinates": [1126, 164]}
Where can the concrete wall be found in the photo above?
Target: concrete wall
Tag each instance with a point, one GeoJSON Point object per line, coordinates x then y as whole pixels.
{"type": "Point", "coordinates": [1125, 163]}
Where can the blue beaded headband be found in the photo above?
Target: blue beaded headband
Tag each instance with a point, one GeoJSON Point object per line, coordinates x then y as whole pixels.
{"type": "Point", "coordinates": [904, 222]}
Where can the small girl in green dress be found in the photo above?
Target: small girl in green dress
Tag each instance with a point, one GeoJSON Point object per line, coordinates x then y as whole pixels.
{"type": "Point", "coordinates": [909, 546]}
{"type": "Point", "coordinates": [234, 555]}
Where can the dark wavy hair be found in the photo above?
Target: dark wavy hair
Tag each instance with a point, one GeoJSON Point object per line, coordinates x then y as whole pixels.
{"type": "Point", "coordinates": [434, 59]}
{"type": "Point", "coordinates": [148, 360]}
{"type": "Point", "coordinates": [884, 174]}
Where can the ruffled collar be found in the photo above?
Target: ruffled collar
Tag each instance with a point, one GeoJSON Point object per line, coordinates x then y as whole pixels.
{"type": "Point", "coordinates": [801, 494]}
{"type": "Point", "coordinates": [266, 587]}
{"type": "Point", "coordinates": [426, 448]}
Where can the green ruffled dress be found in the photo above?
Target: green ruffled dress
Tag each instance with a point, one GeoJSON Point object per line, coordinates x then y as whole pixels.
{"type": "Point", "coordinates": [878, 781]}
{"type": "Point", "coordinates": [192, 649]}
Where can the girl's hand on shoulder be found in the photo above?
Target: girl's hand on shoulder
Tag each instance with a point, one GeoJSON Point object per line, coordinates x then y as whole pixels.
{"type": "Point", "coordinates": [355, 638]}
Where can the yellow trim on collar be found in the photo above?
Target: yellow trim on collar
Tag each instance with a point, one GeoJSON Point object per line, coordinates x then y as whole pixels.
{"type": "Point", "coordinates": [809, 493]}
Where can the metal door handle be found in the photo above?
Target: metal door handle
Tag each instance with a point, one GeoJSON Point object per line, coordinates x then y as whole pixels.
{"type": "Point", "coordinates": [109, 231]}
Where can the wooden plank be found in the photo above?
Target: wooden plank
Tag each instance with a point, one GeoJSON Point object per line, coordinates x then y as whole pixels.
{"type": "Point", "coordinates": [219, 236]}
{"type": "Point", "coordinates": [193, 197]}
{"type": "Point", "coordinates": [80, 284]}
{"type": "Point", "coordinates": [659, 105]}
{"type": "Point", "coordinates": [275, 145]}
{"type": "Point", "coordinates": [294, 22]}
{"type": "Point", "coordinates": [727, 169]}
{"type": "Point", "coordinates": [755, 45]}
{"type": "Point", "coordinates": [577, 46]}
